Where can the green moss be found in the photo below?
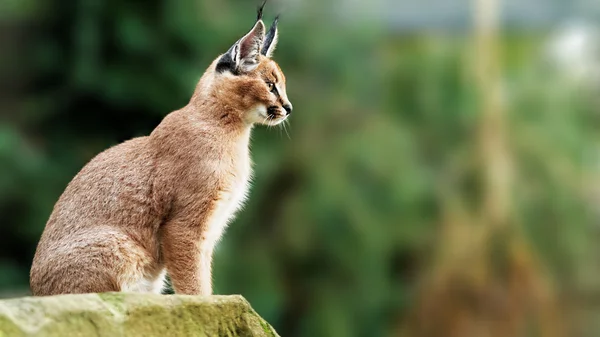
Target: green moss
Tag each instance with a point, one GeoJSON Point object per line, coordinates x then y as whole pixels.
{"type": "Point", "coordinates": [9, 328]}
{"type": "Point", "coordinates": [119, 314]}
{"type": "Point", "coordinates": [115, 302]}
{"type": "Point", "coordinates": [266, 328]}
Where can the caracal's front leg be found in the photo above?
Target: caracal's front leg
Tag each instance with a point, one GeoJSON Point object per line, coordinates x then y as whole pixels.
{"type": "Point", "coordinates": [205, 269]}
{"type": "Point", "coordinates": [181, 253]}
{"type": "Point", "coordinates": [188, 257]}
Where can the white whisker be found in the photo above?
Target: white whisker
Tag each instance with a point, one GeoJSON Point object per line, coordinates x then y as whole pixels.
{"type": "Point", "coordinates": [285, 129]}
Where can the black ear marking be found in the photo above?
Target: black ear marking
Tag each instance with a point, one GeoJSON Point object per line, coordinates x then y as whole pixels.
{"type": "Point", "coordinates": [243, 56]}
{"type": "Point", "coordinates": [270, 37]}
{"type": "Point", "coordinates": [227, 63]}
{"type": "Point", "coordinates": [259, 11]}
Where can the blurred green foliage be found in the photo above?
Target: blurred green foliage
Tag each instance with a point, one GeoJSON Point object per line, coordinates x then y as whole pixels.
{"type": "Point", "coordinates": [343, 216]}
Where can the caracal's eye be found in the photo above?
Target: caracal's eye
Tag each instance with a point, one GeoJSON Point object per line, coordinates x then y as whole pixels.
{"type": "Point", "coordinates": [271, 86]}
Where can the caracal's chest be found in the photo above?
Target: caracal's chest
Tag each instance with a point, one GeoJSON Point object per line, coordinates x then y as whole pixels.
{"type": "Point", "coordinates": [232, 193]}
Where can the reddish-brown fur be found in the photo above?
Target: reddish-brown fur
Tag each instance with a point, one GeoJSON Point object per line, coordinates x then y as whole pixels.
{"type": "Point", "coordinates": [161, 202]}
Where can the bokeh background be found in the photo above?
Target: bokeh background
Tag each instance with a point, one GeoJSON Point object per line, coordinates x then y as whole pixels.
{"type": "Point", "coordinates": [440, 175]}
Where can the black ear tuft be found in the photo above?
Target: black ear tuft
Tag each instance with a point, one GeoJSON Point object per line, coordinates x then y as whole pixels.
{"type": "Point", "coordinates": [243, 56]}
{"type": "Point", "coordinates": [259, 11]}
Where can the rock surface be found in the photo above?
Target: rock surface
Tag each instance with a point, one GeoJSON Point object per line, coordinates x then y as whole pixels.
{"type": "Point", "coordinates": [120, 314]}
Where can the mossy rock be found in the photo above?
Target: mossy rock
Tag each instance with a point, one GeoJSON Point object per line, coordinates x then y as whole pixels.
{"type": "Point", "coordinates": [120, 314]}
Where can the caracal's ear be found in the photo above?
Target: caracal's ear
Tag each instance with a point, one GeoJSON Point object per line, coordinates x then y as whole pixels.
{"type": "Point", "coordinates": [271, 39]}
{"type": "Point", "coordinates": [243, 56]}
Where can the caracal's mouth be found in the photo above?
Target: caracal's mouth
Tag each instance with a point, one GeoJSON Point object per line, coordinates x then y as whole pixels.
{"type": "Point", "coordinates": [274, 116]}
{"type": "Point", "coordinates": [272, 120]}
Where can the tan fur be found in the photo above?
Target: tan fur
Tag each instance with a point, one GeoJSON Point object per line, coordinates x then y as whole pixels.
{"type": "Point", "coordinates": [160, 202]}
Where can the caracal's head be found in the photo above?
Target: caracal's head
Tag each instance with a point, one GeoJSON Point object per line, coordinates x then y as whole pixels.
{"type": "Point", "coordinates": [248, 79]}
